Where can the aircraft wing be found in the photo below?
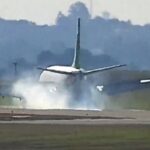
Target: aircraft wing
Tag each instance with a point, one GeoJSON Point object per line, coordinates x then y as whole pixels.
{"type": "Point", "coordinates": [145, 81]}
{"type": "Point", "coordinates": [56, 71]}
{"type": "Point", "coordinates": [102, 69]}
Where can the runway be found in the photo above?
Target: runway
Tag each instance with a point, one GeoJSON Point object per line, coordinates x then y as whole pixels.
{"type": "Point", "coordinates": [74, 117]}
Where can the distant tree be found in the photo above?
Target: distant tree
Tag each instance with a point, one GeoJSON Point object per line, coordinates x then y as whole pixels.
{"type": "Point", "coordinates": [118, 41]}
{"type": "Point", "coordinates": [79, 10]}
{"type": "Point", "coordinates": [106, 15]}
{"type": "Point", "coordinates": [46, 58]}
{"type": "Point", "coordinates": [61, 19]}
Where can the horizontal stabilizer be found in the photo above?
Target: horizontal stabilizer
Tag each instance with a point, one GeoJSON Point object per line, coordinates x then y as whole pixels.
{"type": "Point", "coordinates": [102, 69]}
{"type": "Point", "coordinates": [56, 71]}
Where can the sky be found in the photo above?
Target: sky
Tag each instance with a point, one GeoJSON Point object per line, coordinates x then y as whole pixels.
{"type": "Point", "coordinates": [45, 11]}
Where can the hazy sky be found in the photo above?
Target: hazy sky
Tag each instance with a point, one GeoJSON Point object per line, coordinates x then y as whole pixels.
{"type": "Point", "coordinates": [45, 11]}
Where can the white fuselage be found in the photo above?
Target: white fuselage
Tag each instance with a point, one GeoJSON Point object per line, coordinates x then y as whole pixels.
{"type": "Point", "coordinates": [47, 76]}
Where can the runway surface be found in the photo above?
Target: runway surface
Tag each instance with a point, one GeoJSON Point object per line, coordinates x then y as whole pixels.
{"type": "Point", "coordinates": [73, 117]}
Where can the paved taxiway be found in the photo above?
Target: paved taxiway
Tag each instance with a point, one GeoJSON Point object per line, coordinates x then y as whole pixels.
{"type": "Point", "coordinates": [83, 117]}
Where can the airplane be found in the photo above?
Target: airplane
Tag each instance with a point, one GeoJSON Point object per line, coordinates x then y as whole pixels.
{"type": "Point", "coordinates": [74, 74]}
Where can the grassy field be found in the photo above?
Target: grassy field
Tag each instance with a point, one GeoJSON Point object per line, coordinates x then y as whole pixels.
{"type": "Point", "coordinates": [9, 102]}
{"type": "Point", "coordinates": [74, 137]}
{"type": "Point", "coordinates": [139, 99]}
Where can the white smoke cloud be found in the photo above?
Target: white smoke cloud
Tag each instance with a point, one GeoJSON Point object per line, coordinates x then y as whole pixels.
{"type": "Point", "coordinates": [41, 96]}
{"type": "Point", "coordinates": [37, 96]}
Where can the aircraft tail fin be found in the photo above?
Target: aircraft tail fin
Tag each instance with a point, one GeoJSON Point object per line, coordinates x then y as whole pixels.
{"type": "Point", "coordinates": [76, 60]}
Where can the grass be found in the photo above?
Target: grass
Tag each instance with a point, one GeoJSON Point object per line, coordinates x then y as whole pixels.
{"type": "Point", "coordinates": [139, 99]}
{"type": "Point", "coordinates": [8, 101]}
{"type": "Point", "coordinates": [72, 137]}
